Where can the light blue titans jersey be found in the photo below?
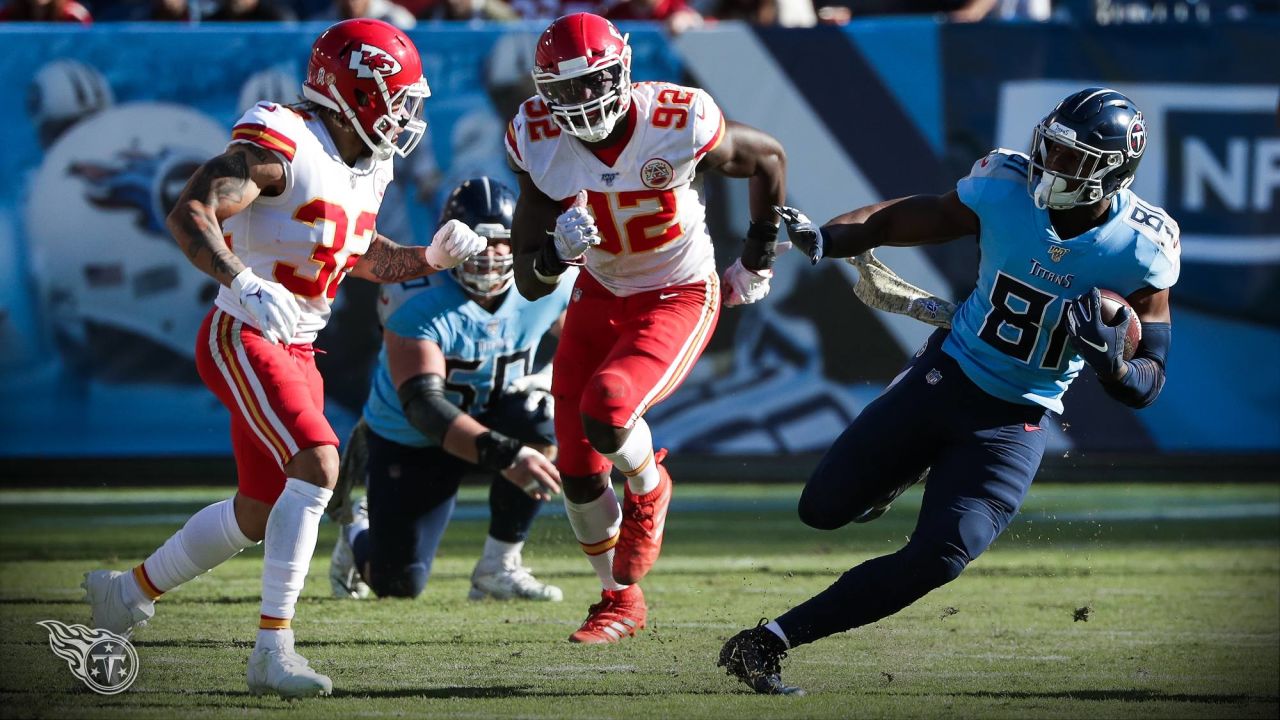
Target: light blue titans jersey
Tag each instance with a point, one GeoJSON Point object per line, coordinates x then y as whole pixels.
{"type": "Point", "coordinates": [483, 351]}
{"type": "Point", "coordinates": [1010, 334]}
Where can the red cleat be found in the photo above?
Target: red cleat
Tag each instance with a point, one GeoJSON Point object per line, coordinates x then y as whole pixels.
{"type": "Point", "coordinates": [644, 517]}
{"type": "Point", "coordinates": [618, 615]}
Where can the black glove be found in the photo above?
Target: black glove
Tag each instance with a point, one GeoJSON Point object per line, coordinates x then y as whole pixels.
{"type": "Point", "coordinates": [802, 231]}
{"type": "Point", "coordinates": [1101, 345]}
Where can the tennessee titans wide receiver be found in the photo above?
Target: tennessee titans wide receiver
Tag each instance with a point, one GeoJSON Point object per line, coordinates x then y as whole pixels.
{"type": "Point", "coordinates": [1053, 227]}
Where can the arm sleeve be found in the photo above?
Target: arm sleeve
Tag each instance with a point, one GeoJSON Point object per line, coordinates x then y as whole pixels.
{"type": "Point", "coordinates": [1141, 385]}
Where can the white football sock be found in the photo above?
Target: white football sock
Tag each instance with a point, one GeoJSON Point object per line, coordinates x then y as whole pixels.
{"type": "Point", "coordinates": [497, 552]}
{"type": "Point", "coordinates": [773, 627]}
{"type": "Point", "coordinates": [596, 524]}
{"type": "Point", "coordinates": [211, 537]}
{"type": "Point", "coordinates": [635, 459]}
{"type": "Point", "coordinates": [275, 639]}
{"type": "Point", "coordinates": [292, 528]}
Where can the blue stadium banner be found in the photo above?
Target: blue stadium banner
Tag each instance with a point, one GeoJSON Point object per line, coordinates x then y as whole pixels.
{"type": "Point", "coordinates": [99, 308]}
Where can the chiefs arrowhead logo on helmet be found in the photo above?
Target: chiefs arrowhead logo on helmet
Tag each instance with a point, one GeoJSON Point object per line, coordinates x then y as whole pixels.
{"type": "Point", "coordinates": [369, 58]}
{"type": "Point", "coordinates": [370, 73]}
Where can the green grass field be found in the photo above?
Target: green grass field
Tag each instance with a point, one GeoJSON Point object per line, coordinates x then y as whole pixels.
{"type": "Point", "coordinates": [1181, 585]}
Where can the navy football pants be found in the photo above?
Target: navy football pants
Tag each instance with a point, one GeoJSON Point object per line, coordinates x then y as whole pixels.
{"type": "Point", "coordinates": [412, 493]}
{"type": "Point", "coordinates": [983, 453]}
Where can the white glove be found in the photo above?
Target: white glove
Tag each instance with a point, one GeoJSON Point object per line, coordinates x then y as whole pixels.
{"type": "Point", "coordinates": [453, 244]}
{"type": "Point", "coordinates": [530, 383]}
{"type": "Point", "coordinates": [576, 231]}
{"type": "Point", "coordinates": [533, 473]}
{"type": "Point", "coordinates": [743, 286]}
{"type": "Point", "coordinates": [273, 308]}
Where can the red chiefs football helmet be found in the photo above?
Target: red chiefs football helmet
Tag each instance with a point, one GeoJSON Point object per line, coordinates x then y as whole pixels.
{"type": "Point", "coordinates": [371, 73]}
{"type": "Point", "coordinates": [582, 69]}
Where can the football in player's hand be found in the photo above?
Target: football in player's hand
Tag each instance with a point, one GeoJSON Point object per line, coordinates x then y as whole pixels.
{"type": "Point", "coordinates": [1111, 303]}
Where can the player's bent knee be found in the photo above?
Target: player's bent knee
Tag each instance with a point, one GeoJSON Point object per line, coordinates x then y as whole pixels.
{"type": "Point", "coordinates": [606, 396]}
{"type": "Point", "coordinates": [821, 512]}
{"type": "Point", "coordinates": [936, 563]}
{"type": "Point", "coordinates": [406, 582]}
{"type": "Point", "coordinates": [316, 465]}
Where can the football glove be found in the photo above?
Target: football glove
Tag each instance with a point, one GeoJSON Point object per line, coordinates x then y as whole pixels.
{"type": "Point", "coordinates": [802, 232]}
{"type": "Point", "coordinates": [1101, 345]}
{"type": "Point", "coordinates": [273, 308]}
{"type": "Point", "coordinates": [575, 232]}
{"type": "Point", "coordinates": [453, 244]}
{"type": "Point", "coordinates": [533, 473]}
{"type": "Point", "coordinates": [743, 286]}
{"type": "Point", "coordinates": [536, 389]}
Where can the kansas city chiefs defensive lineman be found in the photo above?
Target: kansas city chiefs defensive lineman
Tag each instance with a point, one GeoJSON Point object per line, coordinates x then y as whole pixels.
{"type": "Point", "coordinates": [606, 169]}
{"type": "Point", "coordinates": [279, 219]}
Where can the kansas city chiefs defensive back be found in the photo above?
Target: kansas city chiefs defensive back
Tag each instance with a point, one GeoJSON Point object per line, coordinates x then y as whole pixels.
{"type": "Point", "coordinates": [605, 169]}
{"type": "Point", "coordinates": [278, 220]}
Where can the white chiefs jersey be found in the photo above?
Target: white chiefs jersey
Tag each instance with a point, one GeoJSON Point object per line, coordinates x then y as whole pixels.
{"type": "Point", "coordinates": [310, 236]}
{"type": "Point", "coordinates": [652, 221]}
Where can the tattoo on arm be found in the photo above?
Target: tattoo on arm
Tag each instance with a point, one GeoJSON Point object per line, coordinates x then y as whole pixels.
{"type": "Point", "coordinates": [220, 183]}
{"type": "Point", "coordinates": [387, 262]}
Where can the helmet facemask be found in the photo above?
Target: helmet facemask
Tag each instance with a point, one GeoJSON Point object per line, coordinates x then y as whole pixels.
{"type": "Point", "coordinates": [488, 274]}
{"type": "Point", "coordinates": [1079, 170]}
{"type": "Point", "coordinates": [587, 101]}
{"type": "Point", "coordinates": [397, 129]}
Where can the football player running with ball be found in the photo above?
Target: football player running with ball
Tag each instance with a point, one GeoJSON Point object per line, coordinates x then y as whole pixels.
{"type": "Point", "coordinates": [605, 169]}
{"type": "Point", "coordinates": [1053, 228]}
{"type": "Point", "coordinates": [279, 219]}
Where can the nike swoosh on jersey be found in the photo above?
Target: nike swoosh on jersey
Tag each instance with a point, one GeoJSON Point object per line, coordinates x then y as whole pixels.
{"type": "Point", "coordinates": [667, 296]}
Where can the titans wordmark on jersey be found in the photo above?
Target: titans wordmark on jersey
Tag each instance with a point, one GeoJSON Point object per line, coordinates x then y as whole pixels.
{"type": "Point", "coordinates": [651, 219]}
{"type": "Point", "coordinates": [484, 351]}
{"type": "Point", "coordinates": [1010, 334]}
{"type": "Point", "coordinates": [308, 237]}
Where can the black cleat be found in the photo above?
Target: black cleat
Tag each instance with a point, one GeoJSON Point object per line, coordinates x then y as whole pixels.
{"type": "Point", "coordinates": [882, 506]}
{"type": "Point", "coordinates": [755, 657]}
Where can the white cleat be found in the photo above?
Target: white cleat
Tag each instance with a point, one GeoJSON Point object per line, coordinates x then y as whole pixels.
{"type": "Point", "coordinates": [110, 608]}
{"type": "Point", "coordinates": [510, 580]}
{"type": "Point", "coordinates": [344, 579]}
{"type": "Point", "coordinates": [285, 673]}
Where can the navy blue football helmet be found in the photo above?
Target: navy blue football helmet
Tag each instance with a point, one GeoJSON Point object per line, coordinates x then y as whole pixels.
{"type": "Point", "coordinates": [1086, 150]}
{"type": "Point", "coordinates": [488, 207]}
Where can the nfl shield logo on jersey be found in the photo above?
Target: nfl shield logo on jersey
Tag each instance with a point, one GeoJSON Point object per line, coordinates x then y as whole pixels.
{"type": "Point", "coordinates": [1057, 252]}
{"type": "Point", "coordinates": [933, 377]}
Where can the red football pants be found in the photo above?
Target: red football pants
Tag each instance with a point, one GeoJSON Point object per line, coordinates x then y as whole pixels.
{"type": "Point", "coordinates": [620, 356]}
{"type": "Point", "coordinates": [274, 393]}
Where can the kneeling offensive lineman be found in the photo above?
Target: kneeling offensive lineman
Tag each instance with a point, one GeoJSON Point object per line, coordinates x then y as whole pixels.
{"type": "Point", "coordinates": [450, 397]}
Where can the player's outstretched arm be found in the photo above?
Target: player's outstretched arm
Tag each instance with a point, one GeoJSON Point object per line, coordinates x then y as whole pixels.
{"type": "Point", "coordinates": [531, 227]}
{"type": "Point", "coordinates": [220, 188]}
{"type": "Point", "coordinates": [901, 222]}
{"type": "Point", "coordinates": [418, 369]}
{"type": "Point", "coordinates": [388, 262]}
